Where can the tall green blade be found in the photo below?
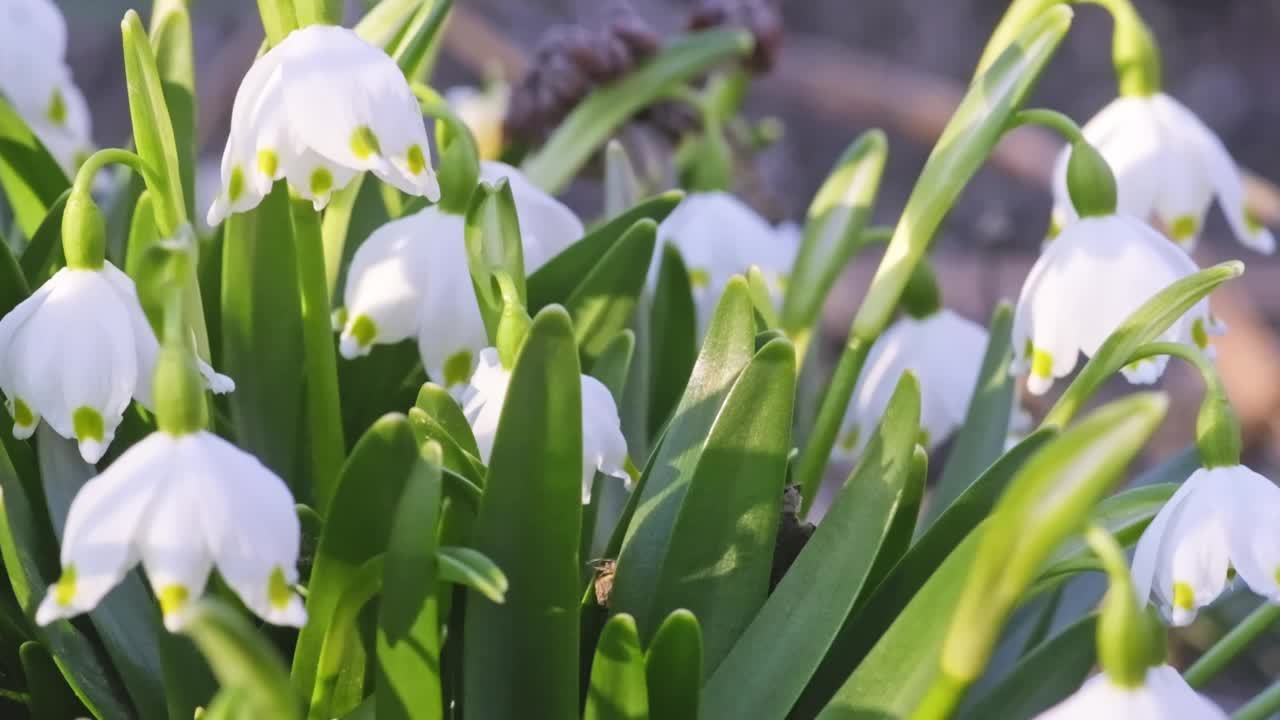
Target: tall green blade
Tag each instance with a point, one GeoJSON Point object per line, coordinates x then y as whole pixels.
{"type": "Point", "coordinates": [618, 688]}
{"type": "Point", "coordinates": [672, 666]}
{"type": "Point", "coordinates": [31, 178]}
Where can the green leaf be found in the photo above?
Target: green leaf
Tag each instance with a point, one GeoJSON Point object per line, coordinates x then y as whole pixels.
{"type": "Point", "coordinates": [521, 657]}
{"type": "Point", "coordinates": [260, 310]}
{"type": "Point", "coordinates": [127, 619]}
{"type": "Point", "coordinates": [242, 658]}
{"type": "Point", "coordinates": [388, 377]}
{"type": "Point", "coordinates": [761, 299]}
{"type": "Point", "coordinates": [673, 668]}
{"type": "Point", "coordinates": [278, 19]}
{"type": "Point", "coordinates": [877, 611]}
{"type": "Point", "coordinates": [458, 168]}
{"type": "Point", "coordinates": [175, 60]}
{"type": "Point", "coordinates": [602, 304]}
{"type": "Point", "coordinates": [766, 670]}
{"type": "Point", "coordinates": [621, 188]}
{"type": "Point", "coordinates": [471, 569]}
{"type": "Point", "coordinates": [13, 284]}
{"type": "Point", "coordinates": [602, 112]}
{"type": "Point", "coordinates": [335, 675]}
{"type": "Point", "coordinates": [51, 699]}
{"type": "Point", "coordinates": [437, 416]}
{"type": "Point", "coordinates": [420, 39]}
{"type": "Point", "coordinates": [1043, 677]}
{"type": "Point", "coordinates": [618, 690]}
{"type": "Point", "coordinates": [44, 251]}
{"type": "Point", "coordinates": [833, 224]}
{"type": "Point", "coordinates": [152, 125]}
{"type": "Point", "coordinates": [560, 276]}
{"type": "Point", "coordinates": [903, 527]}
{"type": "Point", "coordinates": [720, 551]}
{"type": "Point", "coordinates": [31, 178]}
{"type": "Point", "coordinates": [976, 126]}
{"type": "Point", "coordinates": [30, 556]}
{"type": "Point", "coordinates": [385, 22]}
{"type": "Point", "coordinates": [613, 364]}
{"type": "Point", "coordinates": [143, 236]}
{"type": "Point", "coordinates": [986, 425]}
{"type": "Point", "coordinates": [493, 246]}
{"type": "Point", "coordinates": [355, 530]}
{"type": "Point", "coordinates": [318, 12]}
{"type": "Point", "coordinates": [728, 348]}
{"type": "Point", "coordinates": [1143, 325]}
{"type": "Point", "coordinates": [408, 641]}
{"type": "Point", "coordinates": [673, 331]}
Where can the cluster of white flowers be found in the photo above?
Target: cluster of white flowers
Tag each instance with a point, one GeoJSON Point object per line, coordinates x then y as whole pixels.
{"type": "Point", "coordinates": [35, 79]}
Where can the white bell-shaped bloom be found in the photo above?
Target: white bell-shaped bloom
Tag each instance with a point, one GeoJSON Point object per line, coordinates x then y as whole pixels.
{"type": "Point", "coordinates": [183, 505]}
{"type": "Point", "coordinates": [76, 352]}
{"type": "Point", "coordinates": [1168, 165]}
{"type": "Point", "coordinates": [1163, 695]}
{"type": "Point", "coordinates": [410, 279]}
{"type": "Point", "coordinates": [317, 109]}
{"type": "Point", "coordinates": [483, 112]}
{"type": "Point", "coordinates": [943, 350]}
{"type": "Point", "coordinates": [604, 449]}
{"type": "Point", "coordinates": [719, 236]}
{"type": "Point", "coordinates": [1087, 281]}
{"type": "Point", "coordinates": [34, 77]}
{"type": "Point", "coordinates": [1220, 521]}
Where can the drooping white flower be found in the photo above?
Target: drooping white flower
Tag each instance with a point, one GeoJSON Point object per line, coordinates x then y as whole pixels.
{"type": "Point", "coordinates": [183, 505]}
{"type": "Point", "coordinates": [1087, 281]}
{"type": "Point", "coordinates": [317, 109]}
{"type": "Point", "coordinates": [34, 77]}
{"type": "Point", "coordinates": [1221, 520]}
{"type": "Point", "coordinates": [483, 112]}
{"type": "Point", "coordinates": [410, 279]}
{"type": "Point", "coordinates": [943, 350]}
{"type": "Point", "coordinates": [719, 236]}
{"type": "Point", "coordinates": [76, 352]}
{"type": "Point", "coordinates": [1168, 165]}
{"type": "Point", "coordinates": [1163, 695]}
{"type": "Point", "coordinates": [603, 446]}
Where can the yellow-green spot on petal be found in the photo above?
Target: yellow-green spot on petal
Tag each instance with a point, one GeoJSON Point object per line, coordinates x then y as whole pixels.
{"type": "Point", "coordinates": [278, 590]}
{"type": "Point", "coordinates": [268, 162]}
{"type": "Point", "coordinates": [1199, 335]}
{"type": "Point", "coordinates": [1184, 597]}
{"type": "Point", "coordinates": [417, 161]}
{"type": "Point", "coordinates": [22, 415]}
{"type": "Point", "coordinates": [364, 143]}
{"type": "Point", "coordinates": [849, 440]}
{"type": "Point", "coordinates": [173, 598]}
{"type": "Point", "coordinates": [1252, 222]}
{"type": "Point", "coordinates": [57, 110]}
{"type": "Point", "coordinates": [64, 591]}
{"type": "Point", "coordinates": [364, 330]}
{"type": "Point", "coordinates": [699, 278]}
{"type": "Point", "coordinates": [1183, 228]}
{"type": "Point", "coordinates": [321, 182]}
{"type": "Point", "coordinates": [1041, 363]}
{"type": "Point", "coordinates": [87, 424]}
{"type": "Point", "coordinates": [457, 368]}
{"type": "Point", "coordinates": [235, 186]}
{"type": "Point", "coordinates": [1055, 228]}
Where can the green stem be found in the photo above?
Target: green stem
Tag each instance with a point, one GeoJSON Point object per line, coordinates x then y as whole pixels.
{"type": "Point", "coordinates": [941, 700]}
{"type": "Point", "coordinates": [1052, 119]}
{"type": "Point", "coordinates": [1218, 433]}
{"type": "Point", "coordinates": [813, 459]}
{"type": "Point", "coordinates": [323, 405]}
{"type": "Point", "coordinates": [1262, 707]}
{"type": "Point", "coordinates": [1230, 646]}
{"type": "Point", "coordinates": [278, 19]}
{"type": "Point", "coordinates": [92, 165]}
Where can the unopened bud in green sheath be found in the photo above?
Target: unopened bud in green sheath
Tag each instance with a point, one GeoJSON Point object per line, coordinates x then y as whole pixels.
{"type": "Point", "coordinates": [1127, 642]}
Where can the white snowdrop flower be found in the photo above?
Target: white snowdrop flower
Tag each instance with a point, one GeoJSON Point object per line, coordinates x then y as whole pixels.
{"type": "Point", "coordinates": [1220, 522]}
{"type": "Point", "coordinates": [34, 77]}
{"type": "Point", "coordinates": [183, 505]}
{"type": "Point", "coordinates": [317, 109]}
{"type": "Point", "coordinates": [1087, 281]}
{"type": "Point", "coordinates": [76, 352]}
{"type": "Point", "coordinates": [483, 112]}
{"type": "Point", "coordinates": [1163, 694]}
{"type": "Point", "coordinates": [603, 446]}
{"type": "Point", "coordinates": [410, 279]}
{"type": "Point", "coordinates": [943, 350]}
{"type": "Point", "coordinates": [719, 236]}
{"type": "Point", "coordinates": [1169, 165]}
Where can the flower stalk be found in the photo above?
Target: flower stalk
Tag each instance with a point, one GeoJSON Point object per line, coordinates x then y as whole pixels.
{"type": "Point", "coordinates": [1229, 647]}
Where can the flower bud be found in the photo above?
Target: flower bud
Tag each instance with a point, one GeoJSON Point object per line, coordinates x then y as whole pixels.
{"type": "Point", "coordinates": [1130, 641]}
{"type": "Point", "coordinates": [513, 323]}
{"type": "Point", "coordinates": [1090, 182]}
{"type": "Point", "coordinates": [84, 233]}
{"type": "Point", "coordinates": [921, 298]}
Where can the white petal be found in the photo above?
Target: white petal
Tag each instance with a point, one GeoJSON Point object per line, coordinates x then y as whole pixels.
{"type": "Point", "coordinates": [1252, 504]}
{"type": "Point", "coordinates": [603, 446]}
{"type": "Point", "coordinates": [257, 124]}
{"type": "Point", "coordinates": [249, 525]}
{"type": "Point", "coordinates": [547, 226]}
{"type": "Point", "coordinates": [102, 524]}
{"type": "Point", "coordinates": [10, 327]}
{"type": "Point", "coordinates": [483, 398]}
{"type": "Point", "coordinates": [173, 551]}
{"type": "Point", "coordinates": [450, 324]}
{"type": "Point", "coordinates": [385, 282]}
{"type": "Point", "coordinates": [1175, 698]}
{"type": "Point", "coordinates": [1151, 546]}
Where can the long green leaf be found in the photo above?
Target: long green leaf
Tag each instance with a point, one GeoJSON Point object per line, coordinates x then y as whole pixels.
{"type": "Point", "coordinates": [242, 658]}
{"type": "Point", "coordinates": [355, 530]}
{"type": "Point", "coordinates": [613, 364]}
{"type": "Point", "coordinates": [672, 667]}
{"type": "Point", "coordinates": [342, 635]}
{"type": "Point", "coordinates": [1049, 673]}
{"type": "Point", "coordinates": [31, 178]}
{"type": "Point", "coordinates": [673, 335]}
{"type": "Point", "coordinates": [602, 304]}
{"type": "Point", "coordinates": [44, 251]}
{"type": "Point", "coordinates": [471, 569]}
{"type": "Point", "coordinates": [618, 689]}
{"type": "Point", "coordinates": [175, 59]}
{"type": "Point", "coordinates": [903, 527]}
{"type": "Point", "coordinates": [986, 425]}
{"type": "Point", "coordinates": [153, 125]}
{"type": "Point", "coordinates": [408, 642]}
{"type": "Point", "coordinates": [721, 549]}
{"type": "Point", "coordinates": [766, 670]}
{"type": "Point", "coordinates": [13, 284]}
{"type": "Point", "coordinates": [727, 350]}
{"type": "Point", "coordinates": [420, 40]}
{"type": "Point", "coordinates": [51, 699]}
{"type": "Point", "coordinates": [520, 658]}
{"type": "Point", "coordinates": [596, 118]}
